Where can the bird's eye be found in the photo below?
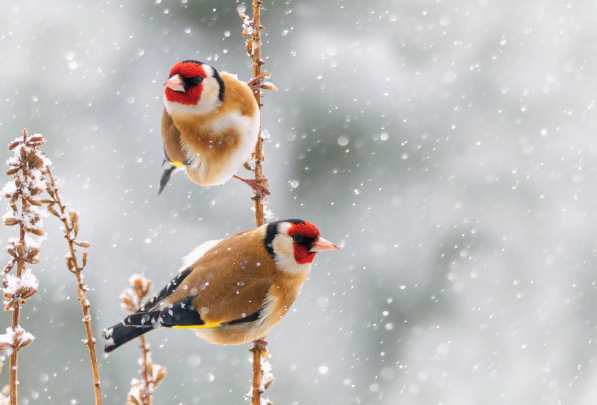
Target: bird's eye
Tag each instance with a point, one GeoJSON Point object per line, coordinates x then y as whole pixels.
{"type": "Point", "coordinates": [197, 80]}
{"type": "Point", "coordinates": [297, 238]}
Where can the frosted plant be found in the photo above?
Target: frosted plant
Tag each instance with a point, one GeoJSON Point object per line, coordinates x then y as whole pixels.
{"type": "Point", "coordinates": [132, 299]}
{"type": "Point", "coordinates": [265, 371]}
{"type": "Point", "coordinates": [252, 31]}
{"type": "Point", "coordinates": [28, 167]}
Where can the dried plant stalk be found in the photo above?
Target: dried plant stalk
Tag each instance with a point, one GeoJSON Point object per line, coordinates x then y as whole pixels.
{"type": "Point", "coordinates": [252, 30]}
{"type": "Point", "coordinates": [70, 220]}
{"type": "Point", "coordinates": [28, 165]}
{"type": "Point", "coordinates": [132, 299]}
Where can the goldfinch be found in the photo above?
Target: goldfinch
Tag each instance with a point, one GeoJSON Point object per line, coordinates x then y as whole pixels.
{"type": "Point", "coordinates": [210, 125]}
{"type": "Point", "coordinates": [234, 290]}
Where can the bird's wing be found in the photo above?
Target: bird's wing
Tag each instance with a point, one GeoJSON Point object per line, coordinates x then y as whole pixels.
{"type": "Point", "coordinates": [188, 260]}
{"type": "Point", "coordinates": [172, 141]}
{"type": "Point", "coordinates": [224, 307]}
{"type": "Point", "coordinates": [157, 299]}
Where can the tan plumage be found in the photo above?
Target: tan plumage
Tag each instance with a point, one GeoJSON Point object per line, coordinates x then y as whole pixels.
{"type": "Point", "coordinates": [237, 289]}
{"type": "Point", "coordinates": [210, 127]}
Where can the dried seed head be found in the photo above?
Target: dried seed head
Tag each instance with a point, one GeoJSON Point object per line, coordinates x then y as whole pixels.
{"type": "Point", "coordinates": [141, 285]}
{"type": "Point", "coordinates": [32, 160]}
{"type": "Point", "coordinates": [11, 251]}
{"type": "Point", "coordinates": [73, 215]}
{"type": "Point", "coordinates": [12, 171]}
{"type": "Point", "coordinates": [269, 86]}
{"type": "Point", "coordinates": [70, 263]}
{"type": "Point", "coordinates": [35, 231]}
{"type": "Point", "coordinates": [20, 249]}
{"type": "Point", "coordinates": [22, 339]}
{"type": "Point", "coordinates": [14, 145]}
{"type": "Point", "coordinates": [128, 301]}
{"type": "Point", "coordinates": [36, 139]}
{"type": "Point", "coordinates": [32, 252]}
{"type": "Point", "coordinates": [52, 211]}
{"type": "Point", "coordinates": [156, 373]}
{"type": "Point", "coordinates": [9, 266]}
{"type": "Point", "coordinates": [35, 202]}
{"type": "Point", "coordinates": [11, 221]}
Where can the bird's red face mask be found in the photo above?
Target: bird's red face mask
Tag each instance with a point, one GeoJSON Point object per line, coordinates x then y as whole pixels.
{"type": "Point", "coordinates": [307, 242]}
{"type": "Point", "coordinates": [184, 85]}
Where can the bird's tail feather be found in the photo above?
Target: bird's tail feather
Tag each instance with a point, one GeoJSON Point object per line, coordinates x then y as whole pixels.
{"type": "Point", "coordinates": [168, 173]}
{"type": "Point", "coordinates": [132, 327]}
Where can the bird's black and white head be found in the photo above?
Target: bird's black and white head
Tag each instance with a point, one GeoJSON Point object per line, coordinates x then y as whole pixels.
{"type": "Point", "coordinates": [293, 244]}
{"type": "Point", "coordinates": [193, 88]}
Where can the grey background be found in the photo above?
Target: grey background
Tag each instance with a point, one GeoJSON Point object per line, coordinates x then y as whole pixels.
{"type": "Point", "coordinates": [449, 147]}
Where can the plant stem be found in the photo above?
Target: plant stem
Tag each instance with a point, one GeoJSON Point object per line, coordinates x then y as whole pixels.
{"type": "Point", "coordinates": [80, 289]}
{"type": "Point", "coordinates": [259, 345]}
{"type": "Point", "coordinates": [146, 398]}
{"type": "Point", "coordinates": [13, 381]}
{"type": "Point", "coordinates": [257, 62]}
{"type": "Point", "coordinates": [13, 376]}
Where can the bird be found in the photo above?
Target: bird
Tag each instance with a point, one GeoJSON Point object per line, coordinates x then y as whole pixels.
{"type": "Point", "coordinates": [210, 125]}
{"type": "Point", "coordinates": [234, 290]}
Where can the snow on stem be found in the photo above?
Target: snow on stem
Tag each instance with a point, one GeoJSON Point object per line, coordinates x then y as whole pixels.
{"type": "Point", "coordinates": [132, 299]}
{"type": "Point", "coordinates": [262, 373]}
{"type": "Point", "coordinates": [28, 166]}
{"type": "Point", "coordinates": [70, 220]}
{"type": "Point", "coordinates": [252, 31]}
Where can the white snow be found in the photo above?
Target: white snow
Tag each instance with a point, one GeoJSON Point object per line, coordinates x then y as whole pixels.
{"type": "Point", "coordinates": [247, 25]}
{"type": "Point", "coordinates": [14, 283]}
{"type": "Point", "coordinates": [133, 279]}
{"type": "Point", "coordinates": [9, 188]}
{"type": "Point", "coordinates": [9, 337]}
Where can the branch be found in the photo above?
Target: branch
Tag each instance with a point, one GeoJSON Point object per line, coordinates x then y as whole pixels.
{"type": "Point", "coordinates": [71, 230]}
{"type": "Point", "coordinates": [132, 299]}
{"type": "Point", "coordinates": [27, 168]}
{"type": "Point", "coordinates": [252, 29]}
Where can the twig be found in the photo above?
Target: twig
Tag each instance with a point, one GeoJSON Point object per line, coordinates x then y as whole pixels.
{"type": "Point", "coordinates": [28, 165]}
{"type": "Point", "coordinates": [253, 29]}
{"type": "Point", "coordinates": [71, 230]}
{"type": "Point", "coordinates": [147, 395]}
{"type": "Point", "coordinates": [141, 392]}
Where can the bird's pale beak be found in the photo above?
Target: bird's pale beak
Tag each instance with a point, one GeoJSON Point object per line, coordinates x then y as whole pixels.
{"type": "Point", "coordinates": [321, 245]}
{"type": "Point", "coordinates": [175, 83]}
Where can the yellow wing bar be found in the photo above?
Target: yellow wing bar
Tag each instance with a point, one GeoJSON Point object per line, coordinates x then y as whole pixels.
{"type": "Point", "coordinates": [205, 326]}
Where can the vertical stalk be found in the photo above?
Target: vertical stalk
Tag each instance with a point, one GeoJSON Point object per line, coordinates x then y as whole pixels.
{"type": "Point", "coordinates": [76, 269]}
{"type": "Point", "coordinates": [257, 62]}
{"type": "Point", "coordinates": [258, 349]}
{"type": "Point", "coordinates": [13, 375]}
{"type": "Point", "coordinates": [146, 396]}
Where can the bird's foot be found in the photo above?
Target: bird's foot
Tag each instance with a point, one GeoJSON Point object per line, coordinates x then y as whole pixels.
{"type": "Point", "coordinates": [259, 82]}
{"type": "Point", "coordinates": [260, 344]}
{"type": "Point", "coordinates": [257, 185]}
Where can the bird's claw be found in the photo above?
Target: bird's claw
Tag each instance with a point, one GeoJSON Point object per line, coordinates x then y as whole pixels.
{"type": "Point", "coordinates": [260, 344]}
{"type": "Point", "coordinates": [258, 82]}
{"type": "Point", "coordinates": [258, 185]}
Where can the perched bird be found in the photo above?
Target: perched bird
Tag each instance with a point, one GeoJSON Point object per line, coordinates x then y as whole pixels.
{"type": "Point", "coordinates": [210, 124]}
{"type": "Point", "coordinates": [234, 290]}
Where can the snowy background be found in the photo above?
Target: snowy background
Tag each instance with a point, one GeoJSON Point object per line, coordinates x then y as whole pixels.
{"type": "Point", "coordinates": [449, 147]}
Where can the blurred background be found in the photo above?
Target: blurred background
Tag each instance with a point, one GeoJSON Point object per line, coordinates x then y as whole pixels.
{"type": "Point", "coordinates": [448, 147]}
